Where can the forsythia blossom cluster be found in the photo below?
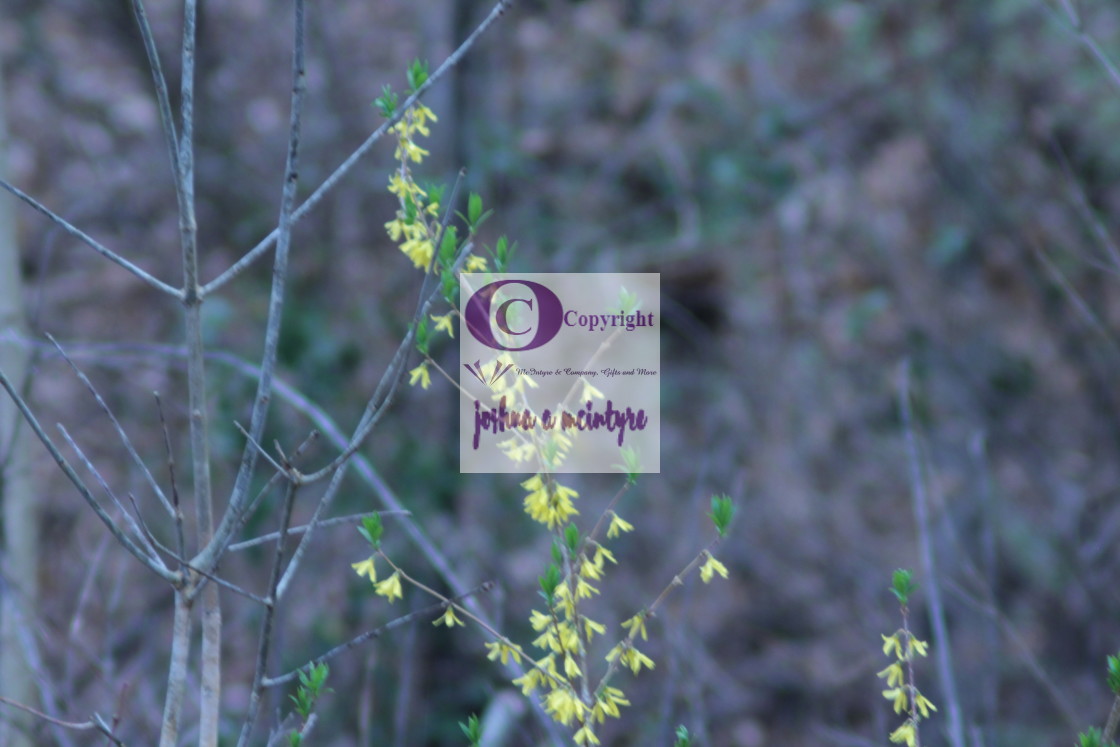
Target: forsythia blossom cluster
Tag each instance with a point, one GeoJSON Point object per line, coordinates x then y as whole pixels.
{"type": "Point", "coordinates": [416, 227]}
{"type": "Point", "coordinates": [413, 229]}
{"type": "Point", "coordinates": [565, 636]}
{"type": "Point", "coordinates": [901, 690]}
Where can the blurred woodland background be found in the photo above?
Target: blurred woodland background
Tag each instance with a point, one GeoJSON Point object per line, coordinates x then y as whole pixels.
{"type": "Point", "coordinates": [828, 187]}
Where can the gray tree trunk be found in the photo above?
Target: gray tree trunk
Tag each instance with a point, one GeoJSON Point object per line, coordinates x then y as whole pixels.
{"type": "Point", "coordinates": [19, 551]}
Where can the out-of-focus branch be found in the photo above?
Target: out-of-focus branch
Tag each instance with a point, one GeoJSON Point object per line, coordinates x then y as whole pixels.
{"type": "Point", "coordinates": [375, 633]}
{"type": "Point", "coordinates": [19, 546]}
{"type": "Point", "coordinates": [331, 181]}
{"type": "Point", "coordinates": [153, 565]}
{"type": "Point", "coordinates": [349, 519]}
{"type": "Point", "coordinates": [95, 723]}
{"type": "Point", "coordinates": [921, 517]}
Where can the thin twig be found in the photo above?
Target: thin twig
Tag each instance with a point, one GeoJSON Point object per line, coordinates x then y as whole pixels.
{"type": "Point", "coordinates": [275, 478]}
{"type": "Point", "coordinates": [93, 243]}
{"type": "Point", "coordinates": [921, 517]}
{"type": "Point", "coordinates": [94, 724]}
{"type": "Point", "coordinates": [212, 550]}
{"type": "Point", "coordinates": [265, 640]}
{"type": "Point", "coordinates": [386, 389]}
{"type": "Point", "coordinates": [349, 519]}
{"type": "Point", "coordinates": [1109, 733]}
{"type": "Point", "coordinates": [375, 633]}
{"type": "Point", "coordinates": [267, 243]}
{"type": "Point", "coordinates": [121, 434]}
{"type": "Point", "coordinates": [260, 449]}
{"type": "Point", "coordinates": [221, 581]}
{"type": "Point", "coordinates": [151, 554]}
{"type": "Point", "coordinates": [1087, 211]}
{"type": "Point", "coordinates": [155, 565]}
{"type": "Point", "coordinates": [180, 541]}
{"type": "Point", "coordinates": [375, 409]}
{"type": "Point", "coordinates": [162, 97]}
{"type": "Point", "coordinates": [1068, 713]}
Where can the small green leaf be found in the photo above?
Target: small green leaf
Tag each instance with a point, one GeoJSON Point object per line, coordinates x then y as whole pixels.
{"type": "Point", "coordinates": [423, 336]}
{"type": "Point", "coordinates": [1091, 738]}
{"type": "Point", "coordinates": [627, 301]}
{"type": "Point", "coordinates": [472, 730]}
{"type": "Point", "coordinates": [902, 585]}
{"type": "Point", "coordinates": [550, 581]}
{"type": "Point", "coordinates": [502, 252]}
{"type": "Point", "coordinates": [417, 75]}
{"type": "Point", "coordinates": [435, 193]}
{"type": "Point", "coordinates": [684, 739]}
{"type": "Point", "coordinates": [1114, 674]}
{"type": "Point", "coordinates": [370, 529]}
{"type": "Point", "coordinates": [320, 672]}
{"type": "Point", "coordinates": [294, 739]}
{"type": "Point", "coordinates": [448, 247]}
{"type": "Point", "coordinates": [474, 209]}
{"type": "Point", "coordinates": [723, 511]}
{"type": "Point", "coordinates": [557, 553]}
{"type": "Point", "coordinates": [449, 286]}
{"type": "Point", "coordinates": [571, 537]}
{"type": "Point", "coordinates": [631, 464]}
{"type": "Point", "coordinates": [387, 102]}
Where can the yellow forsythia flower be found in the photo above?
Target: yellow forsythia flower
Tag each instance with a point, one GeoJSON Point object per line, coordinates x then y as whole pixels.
{"type": "Point", "coordinates": [905, 733]}
{"type": "Point", "coordinates": [711, 566]}
{"type": "Point", "coordinates": [899, 696]}
{"type": "Point", "coordinates": [366, 568]}
{"type": "Point", "coordinates": [448, 618]}
{"type": "Point", "coordinates": [390, 588]}
{"type": "Point", "coordinates": [618, 525]}
{"type": "Point", "coordinates": [504, 651]}
{"type": "Point", "coordinates": [420, 374]}
{"type": "Point", "coordinates": [636, 625]}
{"type": "Point", "coordinates": [444, 323]}
{"type": "Point", "coordinates": [585, 735]}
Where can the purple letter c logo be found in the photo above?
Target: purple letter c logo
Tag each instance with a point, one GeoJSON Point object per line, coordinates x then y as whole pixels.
{"type": "Point", "coordinates": [550, 314]}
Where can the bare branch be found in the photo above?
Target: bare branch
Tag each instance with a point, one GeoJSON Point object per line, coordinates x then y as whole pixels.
{"type": "Point", "coordinates": [154, 565]}
{"type": "Point", "coordinates": [379, 403]}
{"type": "Point", "coordinates": [267, 243]}
{"type": "Point", "coordinates": [324, 501]}
{"type": "Point", "coordinates": [276, 477]}
{"type": "Point", "coordinates": [210, 674]}
{"type": "Point", "coordinates": [162, 97]}
{"type": "Point", "coordinates": [180, 542]}
{"type": "Point", "coordinates": [151, 555]}
{"type": "Point", "coordinates": [350, 519]}
{"type": "Point", "coordinates": [176, 671]}
{"type": "Point", "coordinates": [94, 724]}
{"type": "Point", "coordinates": [92, 242]}
{"type": "Point", "coordinates": [265, 640]}
{"type": "Point", "coordinates": [431, 609]}
{"type": "Point", "coordinates": [212, 550]}
{"type": "Point", "coordinates": [253, 443]}
{"type": "Point", "coordinates": [921, 517]}
{"type": "Point", "coordinates": [125, 440]}
{"type": "Point", "coordinates": [221, 581]}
